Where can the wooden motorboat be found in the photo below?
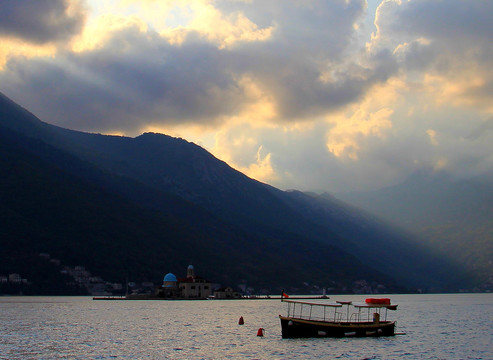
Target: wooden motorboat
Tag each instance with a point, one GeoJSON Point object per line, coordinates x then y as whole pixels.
{"type": "Point", "coordinates": [337, 319]}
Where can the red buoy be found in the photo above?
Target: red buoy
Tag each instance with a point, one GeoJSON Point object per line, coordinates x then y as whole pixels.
{"type": "Point", "coordinates": [241, 322]}
{"type": "Point", "coordinates": [260, 332]}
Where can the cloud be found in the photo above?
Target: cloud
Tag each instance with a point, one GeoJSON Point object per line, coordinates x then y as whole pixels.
{"type": "Point", "coordinates": [483, 130]}
{"type": "Point", "coordinates": [136, 76]}
{"type": "Point", "coordinates": [308, 64]}
{"type": "Point", "coordinates": [343, 138]}
{"type": "Point", "coordinates": [447, 40]}
{"type": "Point", "coordinates": [452, 21]}
{"type": "Point", "coordinates": [433, 136]}
{"type": "Point", "coordinates": [277, 89]}
{"type": "Point", "coordinates": [41, 21]}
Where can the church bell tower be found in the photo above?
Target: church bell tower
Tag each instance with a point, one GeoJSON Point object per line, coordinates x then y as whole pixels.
{"type": "Point", "coordinates": [190, 272]}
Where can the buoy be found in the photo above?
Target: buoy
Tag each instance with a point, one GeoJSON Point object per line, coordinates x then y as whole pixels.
{"type": "Point", "coordinates": [241, 322]}
{"type": "Point", "coordinates": [260, 332]}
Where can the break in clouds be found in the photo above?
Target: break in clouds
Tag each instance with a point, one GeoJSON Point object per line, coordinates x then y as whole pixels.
{"type": "Point", "coordinates": [290, 88]}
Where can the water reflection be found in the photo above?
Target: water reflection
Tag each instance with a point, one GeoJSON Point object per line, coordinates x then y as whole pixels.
{"type": "Point", "coordinates": [437, 326]}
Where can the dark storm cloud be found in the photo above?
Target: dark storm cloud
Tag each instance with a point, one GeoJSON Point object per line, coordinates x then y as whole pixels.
{"type": "Point", "coordinates": [137, 78]}
{"type": "Point", "coordinates": [310, 39]}
{"type": "Point", "coordinates": [315, 29]}
{"type": "Point", "coordinates": [40, 21]}
{"type": "Point", "coordinates": [453, 28]}
{"type": "Point", "coordinates": [299, 91]}
{"type": "Point", "coordinates": [450, 20]}
{"type": "Point", "coordinates": [447, 38]}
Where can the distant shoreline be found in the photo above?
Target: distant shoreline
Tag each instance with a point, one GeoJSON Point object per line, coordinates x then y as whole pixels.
{"type": "Point", "coordinates": [150, 297]}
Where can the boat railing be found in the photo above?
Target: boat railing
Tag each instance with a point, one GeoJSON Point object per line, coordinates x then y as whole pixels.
{"type": "Point", "coordinates": [338, 316]}
{"type": "Point", "coordinates": [333, 312]}
{"type": "Point", "coordinates": [314, 311]}
{"type": "Point", "coordinates": [355, 317]}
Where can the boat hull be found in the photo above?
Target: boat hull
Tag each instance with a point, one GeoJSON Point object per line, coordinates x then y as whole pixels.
{"type": "Point", "coordinates": [299, 328]}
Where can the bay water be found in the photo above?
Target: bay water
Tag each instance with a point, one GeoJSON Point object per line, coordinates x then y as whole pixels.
{"type": "Point", "coordinates": [438, 326]}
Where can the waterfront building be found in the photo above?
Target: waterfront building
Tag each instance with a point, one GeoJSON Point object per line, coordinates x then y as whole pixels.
{"type": "Point", "coordinates": [226, 293]}
{"type": "Point", "coordinates": [193, 286]}
{"type": "Point", "coordinates": [169, 288]}
{"type": "Point", "coordinates": [190, 287]}
{"type": "Point", "coordinates": [15, 278]}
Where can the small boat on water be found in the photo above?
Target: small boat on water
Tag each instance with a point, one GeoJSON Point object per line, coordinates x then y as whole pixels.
{"type": "Point", "coordinates": [337, 319]}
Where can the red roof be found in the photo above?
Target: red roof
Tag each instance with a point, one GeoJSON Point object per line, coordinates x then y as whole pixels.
{"type": "Point", "coordinates": [192, 279]}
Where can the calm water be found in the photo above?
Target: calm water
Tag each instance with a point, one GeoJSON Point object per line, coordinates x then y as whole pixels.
{"type": "Point", "coordinates": [437, 327]}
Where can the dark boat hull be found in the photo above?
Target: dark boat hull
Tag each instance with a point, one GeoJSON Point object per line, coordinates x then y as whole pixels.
{"type": "Point", "coordinates": [298, 328]}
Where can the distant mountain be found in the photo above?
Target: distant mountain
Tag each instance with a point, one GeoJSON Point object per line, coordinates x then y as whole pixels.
{"type": "Point", "coordinates": [451, 215]}
{"type": "Point", "coordinates": [144, 206]}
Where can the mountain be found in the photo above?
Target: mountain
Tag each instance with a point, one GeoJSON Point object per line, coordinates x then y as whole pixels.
{"type": "Point", "coordinates": [382, 244]}
{"type": "Point", "coordinates": [450, 215]}
{"type": "Point", "coordinates": [143, 206]}
{"type": "Point", "coordinates": [47, 209]}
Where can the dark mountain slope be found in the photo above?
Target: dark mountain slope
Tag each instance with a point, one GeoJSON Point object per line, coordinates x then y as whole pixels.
{"type": "Point", "coordinates": [174, 166]}
{"type": "Point", "coordinates": [390, 248]}
{"type": "Point", "coordinates": [451, 215]}
{"type": "Point", "coordinates": [46, 209]}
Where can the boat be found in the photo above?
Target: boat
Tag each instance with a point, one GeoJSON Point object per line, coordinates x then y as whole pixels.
{"type": "Point", "coordinates": [337, 319]}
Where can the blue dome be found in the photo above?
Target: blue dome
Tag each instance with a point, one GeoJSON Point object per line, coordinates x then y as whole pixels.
{"type": "Point", "coordinates": [169, 277]}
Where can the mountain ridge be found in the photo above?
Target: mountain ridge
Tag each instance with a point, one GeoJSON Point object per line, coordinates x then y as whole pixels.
{"type": "Point", "coordinates": [166, 174]}
{"type": "Point", "coordinates": [88, 236]}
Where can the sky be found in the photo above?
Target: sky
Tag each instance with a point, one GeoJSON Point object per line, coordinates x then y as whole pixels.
{"type": "Point", "coordinates": [327, 96]}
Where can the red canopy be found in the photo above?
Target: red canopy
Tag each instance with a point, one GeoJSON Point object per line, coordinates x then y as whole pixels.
{"type": "Point", "coordinates": [382, 301]}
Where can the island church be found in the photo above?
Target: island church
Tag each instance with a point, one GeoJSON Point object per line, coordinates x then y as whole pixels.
{"type": "Point", "coordinates": [191, 287]}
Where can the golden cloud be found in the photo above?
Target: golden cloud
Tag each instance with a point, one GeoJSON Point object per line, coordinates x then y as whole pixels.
{"type": "Point", "coordinates": [204, 18]}
{"type": "Point", "coordinates": [174, 19]}
{"type": "Point", "coordinates": [432, 134]}
{"type": "Point", "coordinates": [460, 88]}
{"type": "Point", "coordinates": [12, 47]}
{"type": "Point", "coordinates": [370, 118]}
{"type": "Point", "coordinates": [229, 142]}
{"type": "Point", "coordinates": [262, 169]}
{"type": "Point", "coordinates": [100, 29]}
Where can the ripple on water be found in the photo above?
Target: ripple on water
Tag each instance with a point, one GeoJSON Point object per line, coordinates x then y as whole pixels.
{"type": "Point", "coordinates": [438, 326]}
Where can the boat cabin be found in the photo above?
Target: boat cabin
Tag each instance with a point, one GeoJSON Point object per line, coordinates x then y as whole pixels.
{"type": "Point", "coordinates": [337, 319]}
